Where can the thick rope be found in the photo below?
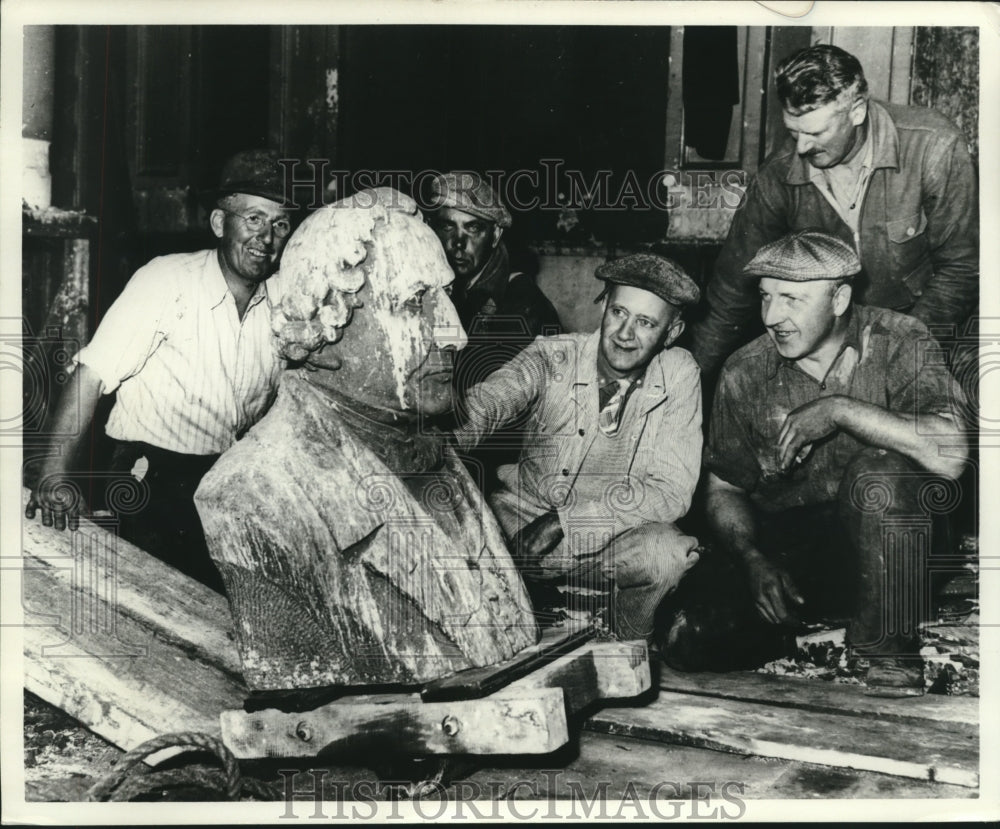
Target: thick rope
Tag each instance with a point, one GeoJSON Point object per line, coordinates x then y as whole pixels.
{"type": "Point", "coordinates": [115, 787]}
{"type": "Point", "coordinates": [228, 781]}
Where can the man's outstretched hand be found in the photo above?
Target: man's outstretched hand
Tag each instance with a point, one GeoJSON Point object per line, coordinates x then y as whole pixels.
{"type": "Point", "coordinates": [58, 499]}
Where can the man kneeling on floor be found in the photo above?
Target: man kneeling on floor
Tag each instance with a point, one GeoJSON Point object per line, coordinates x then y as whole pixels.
{"type": "Point", "coordinates": [611, 450]}
{"type": "Point", "coordinates": [824, 431]}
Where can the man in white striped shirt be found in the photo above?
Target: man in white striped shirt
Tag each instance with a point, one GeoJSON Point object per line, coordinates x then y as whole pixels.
{"type": "Point", "coordinates": [188, 348]}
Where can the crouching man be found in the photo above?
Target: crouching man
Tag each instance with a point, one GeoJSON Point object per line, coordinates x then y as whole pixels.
{"type": "Point", "coordinates": [354, 547]}
{"type": "Point", "coordinates": [824, 430]}
{"type": "Point", "coordinates": [612, 445]}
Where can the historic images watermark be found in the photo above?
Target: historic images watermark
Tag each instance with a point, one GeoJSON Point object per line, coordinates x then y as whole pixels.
{"type": "Point", "coordinates": [551, 186]}
{"type": "Point", "coordinates": [526, 799]}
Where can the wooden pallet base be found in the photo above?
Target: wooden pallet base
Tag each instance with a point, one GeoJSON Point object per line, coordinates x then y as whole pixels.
{"type": "Point", "coordinates": [529, 716]}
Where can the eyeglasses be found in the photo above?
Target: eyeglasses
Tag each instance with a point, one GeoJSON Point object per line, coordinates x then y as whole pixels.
{"type": "Point", "coordinates": [256, 222]}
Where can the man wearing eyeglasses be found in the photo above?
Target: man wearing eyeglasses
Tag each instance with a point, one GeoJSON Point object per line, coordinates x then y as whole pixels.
{"type": "Point", "coordinates": [188, 349]}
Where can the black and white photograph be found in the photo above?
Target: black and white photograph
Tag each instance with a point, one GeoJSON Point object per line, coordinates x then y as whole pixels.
{"type": "Point", "coordinates": [518, 410]}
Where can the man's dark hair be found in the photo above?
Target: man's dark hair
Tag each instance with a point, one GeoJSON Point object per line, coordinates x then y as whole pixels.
{"type": "Point", "coordinates": [816, 76]}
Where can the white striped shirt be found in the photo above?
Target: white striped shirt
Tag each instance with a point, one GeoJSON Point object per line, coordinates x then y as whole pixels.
{"type": "Point", "coordinates": [190, 375]}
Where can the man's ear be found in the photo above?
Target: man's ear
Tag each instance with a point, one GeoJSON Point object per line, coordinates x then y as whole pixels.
{"type": "Point", "coordinates": [842, 299]}
{"type": "Point", "coordinates": [497, 233]}
{"type": "Point", "coordinates": [217, 220]}
{"type": "Point", "coordinates": [673, 333]}
{"type": "Point", "coordinates": [859, 111]}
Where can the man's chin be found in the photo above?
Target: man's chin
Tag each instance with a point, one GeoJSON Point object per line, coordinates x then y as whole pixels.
{"type": "Point", "coordinates": [820, 163]}
{"type": "Point", "coordinates": [787, 351]}
{"type": "Point", "coordinates": [463, 270]}
{"type": "Point", "coordinates": [624, 366]}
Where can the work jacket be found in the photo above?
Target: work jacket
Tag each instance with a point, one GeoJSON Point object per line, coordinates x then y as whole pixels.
{"type": "Point", "coordinates": [555, 379]}
{"type": "Point", "coordinates": [918, 236]}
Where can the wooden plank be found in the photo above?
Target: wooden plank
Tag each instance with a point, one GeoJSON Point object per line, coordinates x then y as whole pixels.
{"type": "Point", "coordinates": [943, 752]}
{"type": "Point", "coordinates": [616, 768]}
{"type": "Point", "coordinates": [817, 695]}
{"type": "Point", "coordinates": [120, 641]}
{"type": "Point", "coordinates": [126, 699]}
{"type": "Point", "coordinates": [92, 562]}
{"type": "Point", "coordinates": [901, 70]}
{"type": "Point", "coordinates": [528, 716]}
{"type": "Point", "coordinates": [754, 90]}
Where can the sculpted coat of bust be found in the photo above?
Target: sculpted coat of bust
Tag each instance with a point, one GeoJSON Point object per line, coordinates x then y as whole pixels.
{"type": "Point", "coordinates": [354, 546]}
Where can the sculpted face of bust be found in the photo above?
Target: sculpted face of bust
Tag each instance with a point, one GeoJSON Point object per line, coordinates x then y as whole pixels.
{"type": "Point", "coordinates": [398, 351]}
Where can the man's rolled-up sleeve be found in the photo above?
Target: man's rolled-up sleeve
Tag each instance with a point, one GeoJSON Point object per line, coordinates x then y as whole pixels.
{"type": "Point", "coordinates": [918, 381]}
{"type": "Point", "coordinates": [130, 330]}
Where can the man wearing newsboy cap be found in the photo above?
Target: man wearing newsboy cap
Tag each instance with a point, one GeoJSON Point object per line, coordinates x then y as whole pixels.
{"type": "Point", "coordinates": [188, 348]}
{"type": "Point", "coordinates": [501, 309]}
{"type": "Point", "coordinates": [612, 445]}
{"type": "Point", "coordinates": [826, 432]}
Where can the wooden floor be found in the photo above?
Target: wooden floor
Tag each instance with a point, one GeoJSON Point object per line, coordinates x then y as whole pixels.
{"type": "Point", "coordinates": [132, 649]}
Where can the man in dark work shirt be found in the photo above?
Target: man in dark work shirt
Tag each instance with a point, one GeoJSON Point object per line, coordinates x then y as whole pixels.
{"type": "Point", "coordinates": [825, 432]}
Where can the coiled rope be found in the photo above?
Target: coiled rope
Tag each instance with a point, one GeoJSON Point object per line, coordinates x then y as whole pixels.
{"type": "Point", "coordinates": [228, 781]}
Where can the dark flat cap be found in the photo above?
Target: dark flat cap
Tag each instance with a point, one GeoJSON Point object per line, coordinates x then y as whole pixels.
{"type": "Point", "coordinates": [470, 193]}
{"type": "Point", "coordinates": [805, 256]}
{"type": "Point", "coordinates": [656, 274]}
{"type": "Point", "coordinates": [256, 173]}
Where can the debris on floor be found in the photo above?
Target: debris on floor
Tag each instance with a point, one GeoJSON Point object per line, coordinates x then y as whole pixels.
{"type": "Point", "coordinates": [949, 642]}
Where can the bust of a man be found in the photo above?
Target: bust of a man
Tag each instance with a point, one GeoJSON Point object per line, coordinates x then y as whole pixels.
{"type": "Point", "coordinates": [354, 546]}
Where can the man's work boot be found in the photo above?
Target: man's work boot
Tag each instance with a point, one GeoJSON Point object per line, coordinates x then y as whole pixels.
{"type": "Point", "coordinates": [895, 676]}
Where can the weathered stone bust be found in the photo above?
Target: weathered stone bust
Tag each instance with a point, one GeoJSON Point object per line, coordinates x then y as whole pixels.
{"type": "Point", "coordinates": [353, 544]}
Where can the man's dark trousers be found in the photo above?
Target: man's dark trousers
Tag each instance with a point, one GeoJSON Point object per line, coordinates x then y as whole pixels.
{"type": "Point", "coordinates": [852, 560]}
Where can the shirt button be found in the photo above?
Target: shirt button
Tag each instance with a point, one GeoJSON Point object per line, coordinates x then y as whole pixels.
{"type": "Point", "coordinates": [910, 231]}
{"type": "Point", "coordinates": [822, 386]}
{"type": "Point", "coordinates": [565, 472]}
{"type": "Point", "coordinates": [582, 433]}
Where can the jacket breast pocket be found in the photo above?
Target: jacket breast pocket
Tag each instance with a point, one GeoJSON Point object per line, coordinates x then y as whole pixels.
{"type": "Point", "coordinates": [908, 245]}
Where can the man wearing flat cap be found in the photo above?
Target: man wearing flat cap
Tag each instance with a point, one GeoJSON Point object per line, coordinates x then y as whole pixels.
{"type": "Point", "coordinates": [826, 432]}
{"type": "Point", "coordinates": [188, 349]}
{"type": "Point", "coordinates": [502, 310]}
{"type": "Point", "coordinates": [612, 445]}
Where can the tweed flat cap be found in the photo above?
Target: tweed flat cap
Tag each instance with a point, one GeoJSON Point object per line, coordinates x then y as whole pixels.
{"type": "Point", "coordinates": [805, 256]}
{"type": "Point", "coordinates": [656, 274]}
{"type": "Point", "coordinates": [470, 193]}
